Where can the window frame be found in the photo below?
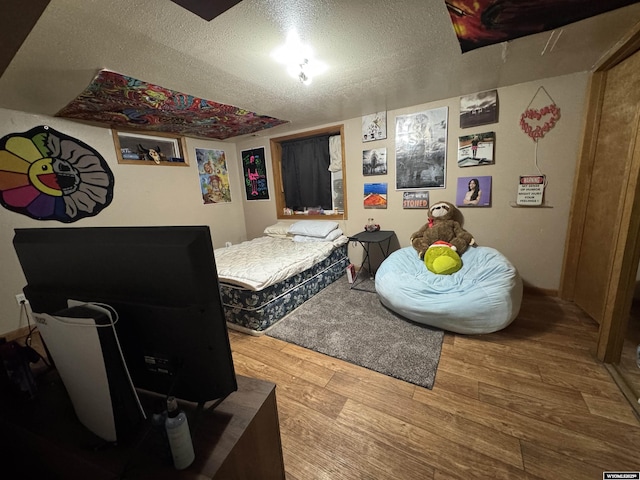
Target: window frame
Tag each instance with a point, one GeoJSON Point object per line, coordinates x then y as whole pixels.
{"type": "Point", "coordinates": [175, 143]}
{"type": "Point", "coordinates": [276, 166]}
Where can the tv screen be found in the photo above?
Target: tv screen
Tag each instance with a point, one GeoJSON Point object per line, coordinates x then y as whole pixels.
{"type": "Point", "coordinates": [162, 284]}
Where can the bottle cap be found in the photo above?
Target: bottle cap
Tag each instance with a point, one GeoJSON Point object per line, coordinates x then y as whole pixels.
{"type": "Point", "coordinates": [172, 404]}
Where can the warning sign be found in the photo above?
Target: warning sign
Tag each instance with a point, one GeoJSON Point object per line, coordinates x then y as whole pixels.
{"type": "Point", "coordinates": [530, 190]}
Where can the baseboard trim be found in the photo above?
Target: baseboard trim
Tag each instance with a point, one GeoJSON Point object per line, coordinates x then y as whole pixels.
{"type": "Point", "coordinates": [625, 388]}
{"type": "Point", "coordinates": [240, 328]}
{"type": "Point", "coordinates": [540, 291]}
{"type": "Point", "coordinates": [16, 334]}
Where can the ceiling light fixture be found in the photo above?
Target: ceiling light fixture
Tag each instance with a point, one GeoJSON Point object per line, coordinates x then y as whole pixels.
{"type": "Point", "coordinates": [301, 72]}
{"type": "Point", "coordinates": [298, 59]}
{"type": "Point", "coordinates": [304, 79]}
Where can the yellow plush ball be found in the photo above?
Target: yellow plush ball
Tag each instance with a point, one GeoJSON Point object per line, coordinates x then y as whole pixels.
{"type": "Point", "coordinates": [442, 259]}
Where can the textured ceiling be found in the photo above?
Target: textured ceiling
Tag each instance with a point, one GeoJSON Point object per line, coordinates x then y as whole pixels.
{"type": "Point", "coordinates": [382, 55]}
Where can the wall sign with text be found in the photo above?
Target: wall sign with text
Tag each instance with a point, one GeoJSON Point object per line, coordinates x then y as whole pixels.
{"type": "Point", "coordinates": [415, 199]}
{"type": "Point", "coordinates": [254, 167]}
{"type": "Point", "coordinates": [530, 190]}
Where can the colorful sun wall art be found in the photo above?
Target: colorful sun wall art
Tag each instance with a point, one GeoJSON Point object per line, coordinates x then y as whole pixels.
{"type": "Point", "coordinates": [48, 175]}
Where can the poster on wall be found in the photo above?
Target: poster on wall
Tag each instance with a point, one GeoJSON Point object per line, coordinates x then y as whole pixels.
{"type": "Point", "coordinates": [479, 23]}
{"type": "Point", "coordinates": [475, 150]}
{"type": "Point", "coordinates": [134, 102]}
{"type": "Point", "coordinates": [47, 175]}
{"type": "Point", "coordinates": [374, 127]}
{"type": "Point", "coordinates": [421, 149]}
{"type": "Point", "coordinates": [479, 109]}
{"type": "Point", "coordinates": [374, 161]}
{"type": "Point", "coordinates": [214, 177]}
{"type": "Point", "coordinates": [375, 195]}
{"type": "Point", "coordinates": [254, 167]}
{"type": "Point", "coordinates": [473, 192]}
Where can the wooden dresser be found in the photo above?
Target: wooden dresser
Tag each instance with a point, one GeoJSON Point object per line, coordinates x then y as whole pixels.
{"type": "Point", "coordinates": [239, 439]}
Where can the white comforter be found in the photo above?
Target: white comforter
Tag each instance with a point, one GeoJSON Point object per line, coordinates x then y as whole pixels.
{"type": "Point", "coordinates": [264, 261]}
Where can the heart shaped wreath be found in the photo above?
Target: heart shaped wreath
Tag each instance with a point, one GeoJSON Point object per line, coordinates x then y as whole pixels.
{"type": "Point", "coordinates": [536, 123]}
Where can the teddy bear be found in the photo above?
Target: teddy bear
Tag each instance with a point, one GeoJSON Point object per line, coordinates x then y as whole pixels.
{"type": "Point", "coordinates": [442, 226]}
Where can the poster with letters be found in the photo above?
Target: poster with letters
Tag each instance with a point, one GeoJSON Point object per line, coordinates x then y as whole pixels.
{"type": "Point", "coordinates": [254, 167]}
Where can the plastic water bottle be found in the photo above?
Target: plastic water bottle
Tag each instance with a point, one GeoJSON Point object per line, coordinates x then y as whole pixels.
{"type": "Point", "coordinates": [179, 435]}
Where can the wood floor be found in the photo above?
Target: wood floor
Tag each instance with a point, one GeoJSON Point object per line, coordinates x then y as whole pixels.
{"type": "Point", "coordinates": [529, 402]}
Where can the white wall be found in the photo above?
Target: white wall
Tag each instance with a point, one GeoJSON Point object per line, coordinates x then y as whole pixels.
{"type": "Point", "coordinates": [532, 238]}
{"type": "Point", "coordinates": [143, 195]}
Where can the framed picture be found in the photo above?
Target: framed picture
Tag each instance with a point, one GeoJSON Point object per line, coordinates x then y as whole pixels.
{"type": "Point", "coordinates": [476, 149]}
{"type": "Point", "coordinates": [479, 109]}
{"type": "Point", "coordinates": [375, 195]}
{"type": "Point", "coordinates": [415, 199]}
{"type": "Point", "coordinates": [374, 127]}
{"type": "Point", "coordinates": [473, 192]}
{"type": "Point", "coordinates": [213, 175]}
{"type": "Point", "coordinates": [133, 148]}
{"type": "Point", "coordinates": [421, 149]}
{"type": "Point", "coordinates": [374, 161]}
{"type": "Point", "coordinates": [254, 167]}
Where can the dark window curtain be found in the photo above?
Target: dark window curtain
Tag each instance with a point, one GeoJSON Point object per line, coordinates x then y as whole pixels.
{"type": "Point", "coordinates": [305, 173]}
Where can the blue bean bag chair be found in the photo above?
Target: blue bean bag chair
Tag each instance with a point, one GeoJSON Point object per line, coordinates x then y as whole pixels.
{"type": "Point", "coordinates": [484, 296]}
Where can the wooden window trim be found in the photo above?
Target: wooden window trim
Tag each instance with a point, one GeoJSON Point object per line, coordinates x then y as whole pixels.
{"type": "Point", "coordinates": [276, 163]}
{"type": "Point", "coordinates": [144, 137]}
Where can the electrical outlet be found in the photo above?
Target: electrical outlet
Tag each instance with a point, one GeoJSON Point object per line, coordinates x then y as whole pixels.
{"type": "Point", "coordinates": [20, 299]}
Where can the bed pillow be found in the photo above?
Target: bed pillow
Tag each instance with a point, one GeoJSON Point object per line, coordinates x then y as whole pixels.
{"type": "Point", "coordinates": [279, 229]}
{"type": "Point", "coordinates": [313, 228]}
{"type": "Point", "coordinates": [334, 234]}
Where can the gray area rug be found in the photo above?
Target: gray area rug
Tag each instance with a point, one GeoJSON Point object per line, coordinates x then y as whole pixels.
{"type": "Point", "coordinates": [353, 325]}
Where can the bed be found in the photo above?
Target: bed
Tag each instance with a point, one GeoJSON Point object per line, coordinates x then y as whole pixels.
{"type": "Point", "coordinates": [264, 279]}
{"type": "Point", "coordinates": [484, 296]}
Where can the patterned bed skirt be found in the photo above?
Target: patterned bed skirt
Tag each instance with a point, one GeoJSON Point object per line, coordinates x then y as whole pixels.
{"type": "Point", "coordinates": [254, 311]}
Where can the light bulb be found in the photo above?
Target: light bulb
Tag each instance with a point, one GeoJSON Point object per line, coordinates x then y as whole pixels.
{"type": "Point", "coordinates": [304, 79]}
{"type": "Point", "coordinates": [298, 59]}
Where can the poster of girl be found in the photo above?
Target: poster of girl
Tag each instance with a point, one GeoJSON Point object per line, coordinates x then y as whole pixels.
{"type": "Point", "coordinates": [473, 192]}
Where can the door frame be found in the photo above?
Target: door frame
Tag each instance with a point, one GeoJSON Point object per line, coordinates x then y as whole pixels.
{"type": "Point", "coordinates": [621, 283]}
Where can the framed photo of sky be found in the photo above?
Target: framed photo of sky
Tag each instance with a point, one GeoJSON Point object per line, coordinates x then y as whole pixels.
{"type": "Point", "coordinates": [479, 109]}
{"type": "Point", "coordinates": [375, 195]}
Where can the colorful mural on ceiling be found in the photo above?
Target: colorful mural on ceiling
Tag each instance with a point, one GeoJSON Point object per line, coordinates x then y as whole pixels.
{"type": "Point", "coordinates": [126, 102]}
{"type": "Point", "coordinates": [479, 23]}
{"type": "Point", "coordinates": [48, 175]}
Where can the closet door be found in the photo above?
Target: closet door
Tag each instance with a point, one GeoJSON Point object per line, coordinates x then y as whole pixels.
{"type": "Point", "coordinates": [607, 247]}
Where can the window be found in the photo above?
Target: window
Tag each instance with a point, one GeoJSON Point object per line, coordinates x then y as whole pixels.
{"type": "Point", "coordinates": [308, 172]}
{"type": "Point", "coordinates": [143, 149]}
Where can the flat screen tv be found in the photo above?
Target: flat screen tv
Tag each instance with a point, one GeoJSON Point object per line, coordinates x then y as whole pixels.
{"type": "Point", "coordinates": [162, 284]}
